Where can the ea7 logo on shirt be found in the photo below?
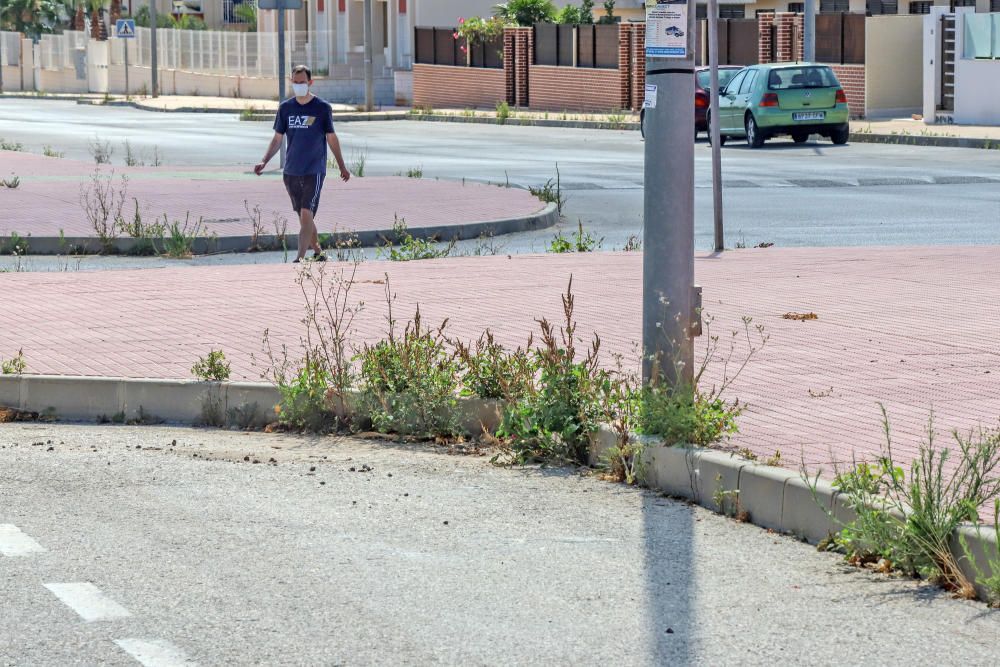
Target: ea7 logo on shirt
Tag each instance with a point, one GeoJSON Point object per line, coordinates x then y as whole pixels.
{"type": "Point", "coordinates": [298, 122]}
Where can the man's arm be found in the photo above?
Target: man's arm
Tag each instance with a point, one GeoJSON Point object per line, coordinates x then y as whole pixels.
{"type": "Point", "coordinates": [272, 149]}
{"type": "Point", "coordinates": [334, 142]}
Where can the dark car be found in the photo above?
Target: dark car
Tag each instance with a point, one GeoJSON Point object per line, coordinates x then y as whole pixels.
{"type": "Point", "coordinates": [702, 83]}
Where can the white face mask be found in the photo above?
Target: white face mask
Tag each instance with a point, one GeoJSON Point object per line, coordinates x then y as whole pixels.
{"type": "Point", "coordinates": [300, 89]}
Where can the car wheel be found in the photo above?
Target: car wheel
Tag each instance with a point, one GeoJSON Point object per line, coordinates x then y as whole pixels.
{"type": "Point", "coordinates": [708, 131]}
{"type": "Point", "coordinates": [755, 138]}
{"type": "Point", "coordinates": [800, 137]}
{"type": "Point", "coordinates": [840, 135]}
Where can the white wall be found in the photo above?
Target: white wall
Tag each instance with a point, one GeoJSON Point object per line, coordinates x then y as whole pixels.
{"type": "Point", "coordinates": [977, 95]}
{"type": "Point", "coordinates": [445, 13]}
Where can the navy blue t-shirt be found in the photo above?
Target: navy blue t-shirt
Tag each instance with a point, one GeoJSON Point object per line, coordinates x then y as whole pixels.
{"type": "Point", "coordinates": [305, 127]}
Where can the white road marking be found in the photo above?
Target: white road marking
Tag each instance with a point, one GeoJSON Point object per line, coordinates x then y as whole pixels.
{"type": "Point", "coordinates": [15, 543]}
{"type": "Point", "coordinates": [154, 652]}
{"type": "Point", "coordinates": [88, 601]}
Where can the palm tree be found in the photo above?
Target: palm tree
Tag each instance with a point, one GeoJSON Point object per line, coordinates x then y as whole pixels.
{"type": "Point", "coordinates": [32, 17]}
{"type": "Point", "coordinates": [79, 22]}
{"type": "Point", "coordinates": [98, 30]}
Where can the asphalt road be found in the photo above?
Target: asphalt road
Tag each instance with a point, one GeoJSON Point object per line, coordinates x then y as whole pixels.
{"type": "Point", "coordinates": [175, 545]}
{"type": "Point", "coordinates": [814, 194]}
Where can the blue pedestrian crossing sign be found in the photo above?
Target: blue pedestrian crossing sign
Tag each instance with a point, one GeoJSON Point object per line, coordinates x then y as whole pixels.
{"type": "Point", "coordinates": [125, 29]}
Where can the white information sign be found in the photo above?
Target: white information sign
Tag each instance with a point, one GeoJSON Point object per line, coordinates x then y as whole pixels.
{"type": "Point", "coordinates": [666, 28]}
{"type": "Point", "coordinates": [649, 102]}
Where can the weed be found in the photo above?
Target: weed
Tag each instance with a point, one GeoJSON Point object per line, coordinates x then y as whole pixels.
{"type": "Point", "coordinates": [503, 112]}
{"type": "Point", "coordinates": [179, 239]}
{"type": "Point", "coordinates": [101, 151]}
{"type": "Point", "coordinates": [145, 235]}
{"type": "Point", "coordinates": [11, 183]}
{"type": "Point", "coordinates": [728, 502]}
{"type": "Point", "coordinates": [358, 161]}
{"type": "Point", "coordinates": [774, 460]}
{"type": "Point", "coordinates": [245, 416]}
{"type": "Point", "coordinates": [408, 248]}
{"type": "Point", "coordinates": [410, 383]}
{"type": "Point", "coordinates": [211, 368]}
{"type": "Point", "coordinates": [248, 113]}
{"type": "Point", "coordinates": [550, 192]}
{"type": "Point", "coordinates": [415, 172]}
{"type": "Point", "coordinates": [280, 224]}
{"type": "Point", "coordinates": [212, 410]}
{"type": "Point", "coordinates": [746, 453]}
{"type": "Point", "coordinates": [15, 365]}
{"type": "Point", "coordinates": [487, 245]}
{"type": "Point", "coordinates": [623, 461]}
{"type": "Point", "coordinates": [555, 422]}
{"type": "Point", "coordinates": [257, 223]}
{"type": "Point", "coordinates": [491, 372]}
{"type": "Point", "coordinates": [689, 414]}
{"type": "Point", "coordinates": [14, 146]}
{"type": "Point", "coordinates": [48, 151]}
{"type": "Point", "coordinates": [14, 245]}
{"type": "Point", "coordinates": [632, 244]}
{"type": "Point", "coordinates": [581, 241]}
{"type": "Point", "coordinates": [908, 520]}
{"type": "Point", "coordinates": [991, 581]}
{"type": "Point", "coordinates": [617, 120]}
{"type": "Point", "coordinates": [468, 113]}
{"type": "Point", "coordinates": [103, 202]}
{"type": "Point", "coordinates": [132, 159]}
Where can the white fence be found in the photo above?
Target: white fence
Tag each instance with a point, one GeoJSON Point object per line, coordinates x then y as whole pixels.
{"type": "Point", "coordinates": [226, 52]}
{"type": "Point", "coordinates": [10, 48]}
{"type": "Point", "coordinates": [58, 51]}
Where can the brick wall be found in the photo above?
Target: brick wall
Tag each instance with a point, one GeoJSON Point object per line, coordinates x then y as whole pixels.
{"type": "Point", "coordinates": [524, 51]}
{"type": "Point", "coordinates": [637, 63]}
{"type": "Point", "coordinates": [764, 23]}
{"type": "Point", "coordinates": [576, 89]}
{"type": "Point", "coordinates": [458, 87]}
{"type": "Point", "coordinates": [786, 33]}
{"type": "Point", "coordinates": [852, 78]}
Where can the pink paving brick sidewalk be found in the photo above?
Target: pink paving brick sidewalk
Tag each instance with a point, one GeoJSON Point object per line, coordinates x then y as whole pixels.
{"type": "Point", "coordinates": [912, 328]}
{"type": "Point", "coordinates": [48, 199]}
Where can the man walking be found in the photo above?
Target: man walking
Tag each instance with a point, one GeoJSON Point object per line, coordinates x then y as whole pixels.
{"type": "Point", "coordinates": [308, 123]}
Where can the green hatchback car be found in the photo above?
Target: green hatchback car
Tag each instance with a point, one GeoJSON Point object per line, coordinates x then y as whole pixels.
{"type": "Point", "coordinates": [797, 99]}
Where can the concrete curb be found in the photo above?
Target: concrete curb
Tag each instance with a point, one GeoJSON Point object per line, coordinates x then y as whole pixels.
{"type": "Point", "coordinates": [917, 140]}
{"type": "Point", "coordinates": [774, 498]}
{"type": "Point", "coordinates": [542, 219]}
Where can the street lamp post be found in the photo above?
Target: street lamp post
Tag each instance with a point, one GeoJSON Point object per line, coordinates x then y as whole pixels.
{"type": "Point", "coordinates": [669, 300]}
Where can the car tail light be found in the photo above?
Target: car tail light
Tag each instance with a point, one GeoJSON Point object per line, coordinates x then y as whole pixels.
{"type": "Point", "coordinates": [769, 100]}
{"type": "Point", "coordinates": [701, 101]}
{"type": "Point", "coordinates": [841, 96]}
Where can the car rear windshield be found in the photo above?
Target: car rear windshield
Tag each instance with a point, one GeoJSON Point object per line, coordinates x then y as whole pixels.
{"type": "Point", "coordinates": [725, 76]}
{"type": "Point", "coordinates": [794, 78]}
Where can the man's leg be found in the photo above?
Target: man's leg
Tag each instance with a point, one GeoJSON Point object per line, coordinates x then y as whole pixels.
{"type": "Point", "coordinates": [307, 232]}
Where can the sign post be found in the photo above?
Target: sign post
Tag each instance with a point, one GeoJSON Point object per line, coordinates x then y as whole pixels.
{"type": "Point", "coordinates": [281, 6]}
{"type": "Point", "coordinates": [125, 29]}
{"type": "Point", "coordinates": [153, 55]}
{"type": "Point", "coordinates": [669, 299]}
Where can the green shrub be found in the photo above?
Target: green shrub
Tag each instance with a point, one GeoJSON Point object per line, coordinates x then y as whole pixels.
{"type": "Point", "coordinates": [908, 520]}
{"type": "Point", "coordinates": [15, 365]}
{"type": "Point", "coordinates": [409, 248]}
{"type": "Point", "coordinates": [580, 241]}
{"type": "Point", "coordinates": [526, 12]}
{"type": "Point", "coordinates": [212, 367]}
{"type": "Point", "coordinates": [491, 372]}
{"type": "Point", "coordinates": [303, 398]}
{"type": "Point", "coordinates": [555, 422]}
{"type": "Point", "coordinates": [503, 112]}
{"type": "Point", "coordinates": [410, 383]}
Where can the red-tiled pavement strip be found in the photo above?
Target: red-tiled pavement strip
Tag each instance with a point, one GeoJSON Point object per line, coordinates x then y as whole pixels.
{"type": "Point", "coordinates": [913, 328]}
{"type": "Point", "coordinates": [48, 199]}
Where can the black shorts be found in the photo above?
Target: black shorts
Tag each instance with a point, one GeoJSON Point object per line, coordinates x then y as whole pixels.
{"type": "Point", "coordinates": [304, 191]}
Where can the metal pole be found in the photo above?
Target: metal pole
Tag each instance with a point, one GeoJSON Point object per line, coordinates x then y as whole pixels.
{"type": "Point", "coordinates": [125, 46]}
{"type": "Point", "coordinates": [668, 231]}
{"type": "Point", "coordinates": [281, 74]}
{"type": "Point", "coordinates": [369, 75]}
{"type": "Point", "coordinates": [713, 128]}
{"type": "Point", "coordinates": [153, 56]}
{"type": "Point", "coordinates": [1, 51]}
{"type": "Point", "coordinates": [808, 32]}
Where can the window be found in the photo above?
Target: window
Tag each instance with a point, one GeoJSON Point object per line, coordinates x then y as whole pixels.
{"type": "Point", "coordinates": [748, 82]}
{"type": "Point", "coordinates": [701, 11]}
{"type": "Point", "coordinates": [764, 12]}
{"type": "Point", "coordinates": [921, 7]}
{"type": "Point", "coordinates": [995, 5]}
{"type": "Point", "coordinates": [732, 11]}
{"type": "Point", "coordinates": [880, 7]}
{"type": "Point", "coordinates": [793, 78]}
{"type": "Point", "coordinates": [725, 76]}
{"type": "Point", "coordinates": [797, 7]}
{"type": "Point", "coordinates": [962, 3]}
{"type": "Point", "coordinates": [834, 6]}
{"type": "Point", "coordinates": [734, 85]}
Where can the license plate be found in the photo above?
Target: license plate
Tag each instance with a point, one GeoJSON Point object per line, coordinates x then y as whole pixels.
{"type": "Point", "coordinates": [809, 115]}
